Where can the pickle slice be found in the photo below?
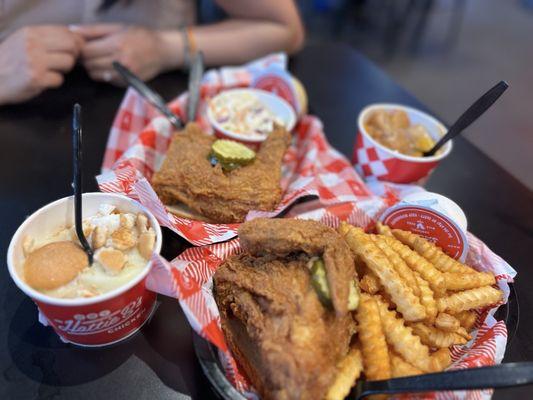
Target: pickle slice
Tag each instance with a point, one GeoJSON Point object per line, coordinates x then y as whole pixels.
{"type": "Point", "coordinates": [226, 166]}
{"type": "Point", "coordinates": [228, 152]}
{"type": "Point", "coordinates": [353, 297]}
{"type": "Point", "coordinates": [320, 282]}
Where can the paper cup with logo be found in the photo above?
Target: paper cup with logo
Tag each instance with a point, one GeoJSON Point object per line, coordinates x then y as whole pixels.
{"type": "Point", "coordinates": [94, 321]}
{"type": "Point", "coordinates": [434, 217]}
{"type": "Point", "coordinates": [372, 160]}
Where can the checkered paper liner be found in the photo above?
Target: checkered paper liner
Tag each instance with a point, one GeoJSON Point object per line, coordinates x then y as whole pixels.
{"type": "Point", "coordinates": [374, 162]}
{"type": "Point", "coordinates": [189, 279]}
{"type": "Point", "coordinates": [140, 137]}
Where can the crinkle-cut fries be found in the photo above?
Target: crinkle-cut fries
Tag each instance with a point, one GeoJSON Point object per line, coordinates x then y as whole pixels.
{"type": "Point", "coordinates": [416, 302]}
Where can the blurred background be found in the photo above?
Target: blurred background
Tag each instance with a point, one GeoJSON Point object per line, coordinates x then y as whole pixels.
{"type": "Point", "coordinates": [447, 53]}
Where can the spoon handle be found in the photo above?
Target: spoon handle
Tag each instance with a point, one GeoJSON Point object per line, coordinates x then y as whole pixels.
{"type": "Point", "coordinates": [195, 80]}
{"type": "Point", "coordinates": [77, 180]}
{"type": "Point", "coordinates": [497, 376]}
{"type": "Point", "coordinates": [150, 95]}
{"type": "Point", "coordinates": [474, 112]}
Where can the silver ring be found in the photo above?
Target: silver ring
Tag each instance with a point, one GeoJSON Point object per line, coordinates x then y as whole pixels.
{"type": "Point", "coordinates": [107, 76]}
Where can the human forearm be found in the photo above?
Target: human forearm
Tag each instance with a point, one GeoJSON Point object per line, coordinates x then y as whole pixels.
{"type": "Point", "coordinates": [237, 41]}
{"type": "Point", "coordinates": [231, 42]}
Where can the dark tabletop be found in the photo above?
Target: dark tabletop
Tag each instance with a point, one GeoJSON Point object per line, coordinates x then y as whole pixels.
{"type": "Point", "coordinates": [159, 362]}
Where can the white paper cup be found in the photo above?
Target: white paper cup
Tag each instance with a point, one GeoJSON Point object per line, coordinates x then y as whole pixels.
{"type": "Point", "coordinates": [374, 160]}
{"type": "Point", "coordinates": [280, 107]}
{"type": "Point", "coordinates": [434, 217]}
{"type": "Point", "coordinates": [93, 321]}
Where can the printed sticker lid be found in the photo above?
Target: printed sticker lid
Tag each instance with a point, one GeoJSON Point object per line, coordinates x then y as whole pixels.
{"type": "Point", "coordinates": [433, 217]}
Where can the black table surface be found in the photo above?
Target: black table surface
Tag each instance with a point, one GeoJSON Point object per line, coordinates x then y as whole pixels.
{"type": "Point", "coordinates": [159, 362]}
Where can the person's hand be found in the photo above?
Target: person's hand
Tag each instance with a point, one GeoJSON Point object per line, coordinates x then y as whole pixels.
{"type": "Point", "coordinates": [35, 58]}
{"type": "Point", "coordinates": [139, 49]}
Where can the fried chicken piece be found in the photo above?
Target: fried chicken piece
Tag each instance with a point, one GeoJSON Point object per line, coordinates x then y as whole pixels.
{"type": "Point", "coordinates": [187, 176]}
{"type": "Point", "coordinates": [285, 340]}
{"type": "Point", "coordinates": [285, 236]}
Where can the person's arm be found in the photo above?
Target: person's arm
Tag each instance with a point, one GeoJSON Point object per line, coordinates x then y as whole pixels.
{"type": "Point", "coordinates": [254, 29]}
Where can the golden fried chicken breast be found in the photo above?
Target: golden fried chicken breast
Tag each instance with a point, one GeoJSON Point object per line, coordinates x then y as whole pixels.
{"type": "Point", "coordinates": [188, 177]}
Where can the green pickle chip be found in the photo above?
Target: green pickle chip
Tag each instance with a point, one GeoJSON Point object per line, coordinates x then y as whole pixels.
{"type": "Point", "coordinates": [229, 152]}
{"type": "Point", "coordinates": [320, 284]}
{"type": "Point", "coordinates": [353, 297]}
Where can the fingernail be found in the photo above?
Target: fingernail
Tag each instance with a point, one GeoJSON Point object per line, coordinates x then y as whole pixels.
{"type": "Point", "coordinates": [74, 27]}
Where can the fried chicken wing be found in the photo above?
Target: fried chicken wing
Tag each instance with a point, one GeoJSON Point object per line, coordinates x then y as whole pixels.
{"type": "Point", "coordinates": [187, 176]}
{"type": "Point", "coordinates": [284, 236]}
{"type": "Point", "coordinates": [286, 342]}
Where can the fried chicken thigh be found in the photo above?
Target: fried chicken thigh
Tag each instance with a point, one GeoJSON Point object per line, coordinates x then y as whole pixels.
{"type": "Point", "coordinates": [187, 176]}
{"type": "Point", "coordinates": [284, 236]}
{"type": "Point", "coordinates": [283, 337]}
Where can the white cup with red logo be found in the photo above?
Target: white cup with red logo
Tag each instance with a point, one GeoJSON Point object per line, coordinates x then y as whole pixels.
{"type": "Point", "coordinates": [93, 321]}
{"type": "Point", "coordinates": [434, 217]}
{"type": "Point", "coordinates": [373, 160]}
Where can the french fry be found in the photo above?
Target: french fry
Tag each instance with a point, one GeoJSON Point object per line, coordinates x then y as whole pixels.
{"type": "Point", "coordinates": [344, 228]}
{"type": "Point", "coordinates": [400, 367]}
{"type": "Point", "coordinates": [467, 319]}
{"type": "Point", "coordinates": [441, 359]}
{"type": "Point", "coordinates": [399, 265]}
{"type": "Point", "coordinates": [401, 294]}
{"type": "Point", "coordinates": [462, 332]}
{"type": "Point", "coordinates": [434, 337]}
{"type": "Point", "coordinates": [427, 299]}
{"type": "Point", "coordinates": [431, 252]}
{"type": "Point", "coordinates": [447, 323]}
{"type": "Point", "coordinates": [387, 299]}
{"type": "Point", "coordinates": [419, 264]}
{"type": "Point", "coordinates": [383, 229]}
{"type": "Point", "coordinates": [348, 371]}
{"type": "Point", "coordinates": [461, 281]}
{"type": "Point", "coordinates": [372, 338]}
{"type": "Point", "coordinates": [402, 339]}
{"type": "Point", "coordinates": [369, 283]}
{"type": "Point", "coordinates": [469, 299]}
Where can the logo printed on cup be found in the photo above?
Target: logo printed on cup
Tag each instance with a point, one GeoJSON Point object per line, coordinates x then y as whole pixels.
{"type": "Point", "coordinates": [88, 324]}
{"type": "Point", "coordinates": [430, 225]}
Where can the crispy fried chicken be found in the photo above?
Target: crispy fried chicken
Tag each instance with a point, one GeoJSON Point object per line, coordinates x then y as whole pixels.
{"type": "Point", "coordinates": [187, 176]}
{"type": "Point", "coordinates": [286, 341]}
{"type": "Point", "coordinates": [285, 236]}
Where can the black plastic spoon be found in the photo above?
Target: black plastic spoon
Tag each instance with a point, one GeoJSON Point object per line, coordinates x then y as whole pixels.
{"type": "Point", "coordinates": [497, 376]}
{"type": "Point", "coordinates": [77, 180]}
{"type": "Point", "coordinates": [474, 112]}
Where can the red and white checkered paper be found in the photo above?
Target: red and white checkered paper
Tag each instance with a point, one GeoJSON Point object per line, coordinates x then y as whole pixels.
{"type": "Point", "coordinates": [189, 279]}
{"type": "Point", "coordinates": [310, 167]}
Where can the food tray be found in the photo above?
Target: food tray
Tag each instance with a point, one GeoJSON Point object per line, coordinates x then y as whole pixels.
{"type": "Point", "coordinates": [208, 354]}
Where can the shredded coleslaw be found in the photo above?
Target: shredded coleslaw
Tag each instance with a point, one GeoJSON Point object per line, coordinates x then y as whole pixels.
{"type": "Point", "coordinates": [244, 114]}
